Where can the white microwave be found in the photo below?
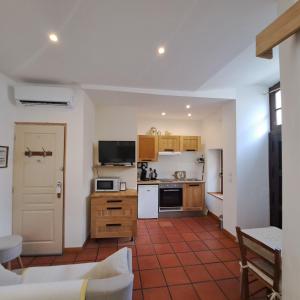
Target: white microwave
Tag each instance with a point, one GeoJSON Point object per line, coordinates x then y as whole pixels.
{"type": "Point", "coordinates": [107, 184]}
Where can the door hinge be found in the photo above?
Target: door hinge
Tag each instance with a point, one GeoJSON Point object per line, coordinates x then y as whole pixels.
{"type": "Point", "coordinates": [12, 189]}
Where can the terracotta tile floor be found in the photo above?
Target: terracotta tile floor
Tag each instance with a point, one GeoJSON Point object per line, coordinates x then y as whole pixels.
{"type": "Point", "coordinates": [174, 258]}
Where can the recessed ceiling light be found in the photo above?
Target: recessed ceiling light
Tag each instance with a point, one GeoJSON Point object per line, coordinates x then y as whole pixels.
{"type": "Point", "coordinates": [161, 50]}
{"type": "Point", "coordinates": [53, 37]}
{"type": "Point", "coordinates": [189, 114]}
{"type": "Point", "coordinates": [188, 106]}
{"type": "Point", "coordinates": [163, 113]}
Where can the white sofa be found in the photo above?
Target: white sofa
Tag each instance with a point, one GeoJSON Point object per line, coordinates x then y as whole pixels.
{"type": "Point", "coordinates": [110, 279]}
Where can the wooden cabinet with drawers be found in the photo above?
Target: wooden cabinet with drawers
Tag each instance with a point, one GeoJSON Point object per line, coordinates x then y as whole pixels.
{"type": "Point", "coordinates": [190, 143]}
{"type": "Point", "coordinates": [194, 196]}
{"type": "Point", "coordinates": [148, 147]}
{"type": "Point", "coordinates": [169, 143]}
{"type": "Point", "coordinates": [114, 214]}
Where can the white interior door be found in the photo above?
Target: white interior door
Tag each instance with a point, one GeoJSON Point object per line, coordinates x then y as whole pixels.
{"type": "Point", "coordinates": [38, 187]}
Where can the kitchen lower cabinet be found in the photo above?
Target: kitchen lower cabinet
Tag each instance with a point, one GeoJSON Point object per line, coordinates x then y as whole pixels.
{"type": "Point", "coordinates": [114, 214]}
{"type": "Point", "coordinates": [148, 201]}
{"type": "Point", "coordinates": [194, 196]}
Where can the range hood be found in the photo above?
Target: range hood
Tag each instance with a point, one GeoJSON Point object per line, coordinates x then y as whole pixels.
{"type": "Point", "coordinates": [169, 153]}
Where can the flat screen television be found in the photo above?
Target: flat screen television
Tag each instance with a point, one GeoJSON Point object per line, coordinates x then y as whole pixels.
{"type": "Point", "coordinates": [116, 152]}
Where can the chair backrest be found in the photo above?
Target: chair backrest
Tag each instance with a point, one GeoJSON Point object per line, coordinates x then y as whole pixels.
{"type": "Point", "coordinates": [271, 257]}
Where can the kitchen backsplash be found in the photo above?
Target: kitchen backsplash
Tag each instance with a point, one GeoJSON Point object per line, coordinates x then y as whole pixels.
{"type": "Point", "coordinates": [186, 161]}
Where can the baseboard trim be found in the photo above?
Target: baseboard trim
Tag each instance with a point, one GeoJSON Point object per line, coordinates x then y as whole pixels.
{"type": "Point", "coordinates": [226, 232]}
{"type": "Point", "coordinates": [213, 216]}
{"type": "Point", "coordinates": [229, 235]}
{"type": "Point", "coordinates": [75, 250]}
{"type": "Point", "coordinates": [72, 250]}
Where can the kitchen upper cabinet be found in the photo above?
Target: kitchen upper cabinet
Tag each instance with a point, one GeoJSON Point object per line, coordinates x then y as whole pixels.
{"type": "Point", "coordinates": [169, 143]}
{"type": "Point", "coordinates": [194, 196]}
{"type": "Point", "coordinates": [190, 143]}
{"type": "Point", "coordinates": [148, 148]}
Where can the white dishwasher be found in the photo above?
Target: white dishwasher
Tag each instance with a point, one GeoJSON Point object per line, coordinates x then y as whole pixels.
{"type": "Point", "coordinates": [148, 201]}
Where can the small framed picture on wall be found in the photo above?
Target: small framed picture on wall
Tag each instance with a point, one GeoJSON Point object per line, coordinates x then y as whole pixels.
{"type": "Point", "coordinates": [3, 156]}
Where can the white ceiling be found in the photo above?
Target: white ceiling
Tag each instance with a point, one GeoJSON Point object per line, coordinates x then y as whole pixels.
{"type": "Point", "coordinates": [114, 42]}
{"type": "Point", "coordinates": [151, 106]}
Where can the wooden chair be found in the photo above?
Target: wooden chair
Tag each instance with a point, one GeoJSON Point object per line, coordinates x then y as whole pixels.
{"type": "Point", "coordinates": [262, 261]}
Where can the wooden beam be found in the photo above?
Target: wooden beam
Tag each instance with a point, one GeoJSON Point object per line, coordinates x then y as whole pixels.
{"type": "Point", "coordinates": [282, 28]}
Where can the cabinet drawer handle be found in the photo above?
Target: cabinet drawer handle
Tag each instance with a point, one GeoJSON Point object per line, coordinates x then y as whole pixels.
{"type": "Point", "coordinates": [194, 184]}
{"type": "Point", "coordinates": [113, 225]}
{"type": "Point", "coordinates": [191, 150]}
{"type": "Point", "coordinates": [113, 201]}
{"type": "Point", "coordinates": [113, 208]}
{"type": "Point", "coordinates": [169, 150]}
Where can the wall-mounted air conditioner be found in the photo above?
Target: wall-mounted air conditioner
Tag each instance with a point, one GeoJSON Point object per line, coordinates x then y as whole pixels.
{"type": "Point", "coordinates": [30, 95]}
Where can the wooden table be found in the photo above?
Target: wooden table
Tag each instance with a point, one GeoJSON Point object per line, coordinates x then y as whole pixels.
{"type": "Point", "coordinates": [270, 236]}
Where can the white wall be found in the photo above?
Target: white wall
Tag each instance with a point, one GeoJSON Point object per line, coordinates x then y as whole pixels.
{"type": "Point", "coordinates": [78, 160]}
{"type": "Point", "coordinates": [220, 133]}
{"type": "Point", "coordinates": [241, 130]}
{"type": "Point", "coordinates": [7, 115]}
{"type": "Point", "coordinates": [290, 85]}
{"type": "Point", "coordinates": [213, 182]}
{"type": "Point", "coordinates": [116, 123]}
{"type": "Point", "coordinates": [87, 163]}
{"type": "Point", "coordinates": [175, 126]}
{"type": "Point", "coordinates": [212, 139]}
{"type": "Point", "coordinates": [244, 140]}
{"type": "Point", "coordinates": [228, 133]}
{"type": "Point", "coordinates": [212, 128]}
{"type": "Point", "coordinates": [252, 123]}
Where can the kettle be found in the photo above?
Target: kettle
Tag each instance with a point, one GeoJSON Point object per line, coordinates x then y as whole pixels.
{"type": "Point", "coordinates": [180, 175]}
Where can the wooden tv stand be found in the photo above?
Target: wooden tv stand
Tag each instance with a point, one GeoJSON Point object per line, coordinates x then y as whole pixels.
{"type": "Point", "coordinates": [114, 214]}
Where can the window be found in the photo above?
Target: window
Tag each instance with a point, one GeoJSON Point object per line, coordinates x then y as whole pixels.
{"type": "Point", "coordinates": [275, 107]}
{"type": "Point", "coordinates": [278, 110]}
{"type": "Point", "coordinates": [275, 156]}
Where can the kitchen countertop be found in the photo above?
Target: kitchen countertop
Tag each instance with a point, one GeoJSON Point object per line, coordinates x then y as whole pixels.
{"type": "Point", "coordinates": [158, 181]}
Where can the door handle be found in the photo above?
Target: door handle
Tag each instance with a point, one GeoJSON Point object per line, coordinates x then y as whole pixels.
{"type": "Point", "coordinates": [58, 189]}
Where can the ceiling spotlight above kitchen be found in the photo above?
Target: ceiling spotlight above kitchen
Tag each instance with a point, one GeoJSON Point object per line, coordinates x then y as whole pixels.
{"type": "Point", "coordinates": [53, 37]}
{"type": "Point", "coordinates": [161, 50]}
{"type": "Point", "coordinates": [188, 106]}
{"type": "Point", "coordinates": [163, 113]}
{"type": "Point", "coordinates": [189, 114]}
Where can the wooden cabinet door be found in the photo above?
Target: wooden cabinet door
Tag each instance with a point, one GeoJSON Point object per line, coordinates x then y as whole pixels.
{"type": "Point", "coordinates": [148, 148]}
{"type": "Point", "coordinates": [169, 143]}
{"type": "Point", "coordinates": [193, 196]}
{"type": "Point", "coordinates": [190, 143]}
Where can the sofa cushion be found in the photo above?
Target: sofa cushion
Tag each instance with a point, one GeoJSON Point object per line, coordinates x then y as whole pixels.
{"type": "Point", "coordinates": [8, 277]}
{"type": "Point", "coordinates": [113, 265]}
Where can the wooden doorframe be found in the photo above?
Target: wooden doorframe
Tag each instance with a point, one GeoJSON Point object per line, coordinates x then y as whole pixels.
{"type": "Point", "coordinates": [64, 125]}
